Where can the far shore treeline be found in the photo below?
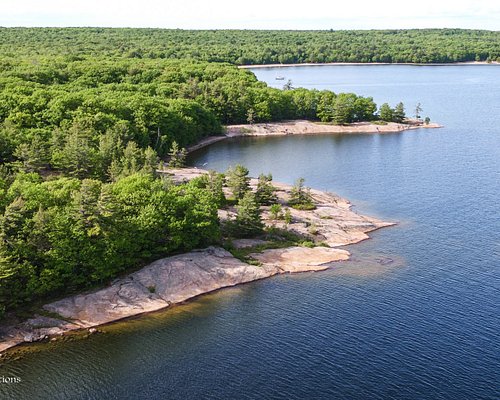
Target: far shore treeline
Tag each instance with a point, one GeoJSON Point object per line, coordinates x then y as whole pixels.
{"type": "Point", "coordinates": [258, 46]}
{"type": "Point", "coordinates": [85, 117]}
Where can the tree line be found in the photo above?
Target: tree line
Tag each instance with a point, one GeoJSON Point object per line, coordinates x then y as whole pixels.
{"type": "Point", "coordinates": [102, 119]}
{"type": "Point", "coordinates": [257, 46]}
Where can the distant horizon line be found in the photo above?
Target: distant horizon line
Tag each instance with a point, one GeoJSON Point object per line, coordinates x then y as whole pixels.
{"type": "Point", "coordinates": [243, 29]}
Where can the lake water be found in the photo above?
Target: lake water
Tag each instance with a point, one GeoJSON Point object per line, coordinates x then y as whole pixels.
{"type": "Point", "coordinates": [424, 326]}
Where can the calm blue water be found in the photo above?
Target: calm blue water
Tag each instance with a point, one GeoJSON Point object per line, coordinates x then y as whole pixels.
{"type": "Point", "coordinates": [425, 326]}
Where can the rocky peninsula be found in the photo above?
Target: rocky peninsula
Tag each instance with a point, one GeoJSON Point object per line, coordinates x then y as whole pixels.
{"type": "Point", "coordinates": [305, 127]}
{"type": "Point", "coordinates": [175, 279]}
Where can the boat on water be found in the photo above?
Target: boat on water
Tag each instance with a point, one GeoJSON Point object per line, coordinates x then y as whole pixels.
{"type": "Point", "coordinates": [280, 78]}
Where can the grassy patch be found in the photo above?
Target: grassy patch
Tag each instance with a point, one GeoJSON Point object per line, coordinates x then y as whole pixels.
{"type": "Point", "coordinates": [276, 238]}
{"type": "Point", "coordinates": [304, 206]}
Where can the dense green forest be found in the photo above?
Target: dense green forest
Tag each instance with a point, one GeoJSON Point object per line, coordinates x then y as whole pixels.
{"type": "Point", "coordinates": [258, 46]}
{"type": "Point", "coordinates": [80, 143]}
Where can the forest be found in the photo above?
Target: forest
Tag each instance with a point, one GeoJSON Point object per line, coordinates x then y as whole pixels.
{"type": "Point", "coordinates": [257, 46]}
{"type": "Point", "coordinates": [88, 115]}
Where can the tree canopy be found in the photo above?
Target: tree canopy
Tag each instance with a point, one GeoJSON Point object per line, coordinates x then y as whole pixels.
{"type": "Point", "coordinates": [257, 46]}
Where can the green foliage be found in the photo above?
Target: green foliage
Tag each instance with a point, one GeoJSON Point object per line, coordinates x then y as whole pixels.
{"type": "Point", "coordinates": [252, 47]}
{"type": "Point", "coordinates": [300, 196]}
{"type": "Point", "coordinates": [399, 113]}
{"type": "Point", "coordinates": [344, 108]}
{"type": "Point", "coordinates": [65, 234]}
{"type": "Point", "coordinates": [386, 113]}
{"type": "Point", "coordinates": [248, 221]}
{"type": "Point", "coordinates": [177, 156]}
{"type": "Point", "coordinates": [275, 211]}
{"type": "Point", "coordinates": [213, 182]}
{"type": "Point", "coordinates": [265, 193]}
{"type": "Point", "coordinates": [396, 114]}
{"type": "Point", "coordinates": [238, 181]}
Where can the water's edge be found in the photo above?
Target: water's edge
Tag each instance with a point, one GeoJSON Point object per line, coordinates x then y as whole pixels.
{"type": "Point", "coordinates": [176, 279]}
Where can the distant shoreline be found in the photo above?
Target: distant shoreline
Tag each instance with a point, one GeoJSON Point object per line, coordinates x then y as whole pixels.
{"type": "Point", "coordinates": [369, 63]}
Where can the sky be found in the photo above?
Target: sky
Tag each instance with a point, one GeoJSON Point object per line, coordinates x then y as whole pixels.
{"type": "Point", "coordinates": [254, 14]}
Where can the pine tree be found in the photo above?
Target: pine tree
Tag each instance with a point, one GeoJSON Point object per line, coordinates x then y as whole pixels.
{"type": "Point", "coordinates": [177, 156]}
{"type": "Point", "coordinates": [398, 114]}
{"type": "Point", "coordinates": [248, 220]}
{"type": "Point", "coordinates": [238, 181]}
{"type": "Point", "coordinates": [418, 110]}
{"type": "Point", "coordinates": [214, 183]}
{"type": "Point", "coordinates": [132, 159]}
{"type": "Point", "coordinates": [275, 211]}
{"type": "Point", "coordinates": [342, 109]}
{"type": "Point", "coordinates": [33, 156]}
{"type": "Point", "coordinates": [150, 162]}
{"type": "Point", "coordinates": [265, 193]}
{"type": "Point", "coordinates": [77, 157]}
{"type": "Point", "coordinates": [300, 196]}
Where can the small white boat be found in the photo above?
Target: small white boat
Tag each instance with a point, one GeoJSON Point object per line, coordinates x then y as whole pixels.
{"type": "Point", "coordinates": [280, 78]}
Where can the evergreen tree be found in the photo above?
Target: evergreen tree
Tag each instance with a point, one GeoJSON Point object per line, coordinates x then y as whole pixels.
{"type": "Point", "coordinates": [275, 211]}
{"type": "Point", "coordinates": [324, 108]}
{"type": "Point", "coordinates": [300, 196]}
{"type": "Point", "coordinates": [399, 112]}
{"type": "Point", "coordinates": [33, 156]}
{"type": "Point", "coordinates": [150, 161]}
{"type": "Point", "coordinates": [343, 109]}
{"type": "Point", "coordinates": [110, 149]}
{"type": "Point", "coordinates": [77, 157]}
{"type": "Point", "coordinates": [418, 110]}
{"type": "Point", "coordinates": [248, 219]}
{"type": "Point", "coordinates": [238, 181]}
{"type": "Point", "coordinates": [86, 206]}
{"type": "Point", "coordinates": [214, 182]}
{"type": "Point", "coordinates": [132, 159]}
{"type": "Point", "coordinates": [288, 217]}
{"type": "Point", "coordinates": [177, 156]}
{"type": "Point", "coordinates": [265, 192]}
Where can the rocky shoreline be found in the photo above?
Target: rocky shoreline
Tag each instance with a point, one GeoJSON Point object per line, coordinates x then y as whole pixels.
{"type": "Point", "coordinates": [175, 279]}
{"type": "Point", "coordinates": [304, 127]}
